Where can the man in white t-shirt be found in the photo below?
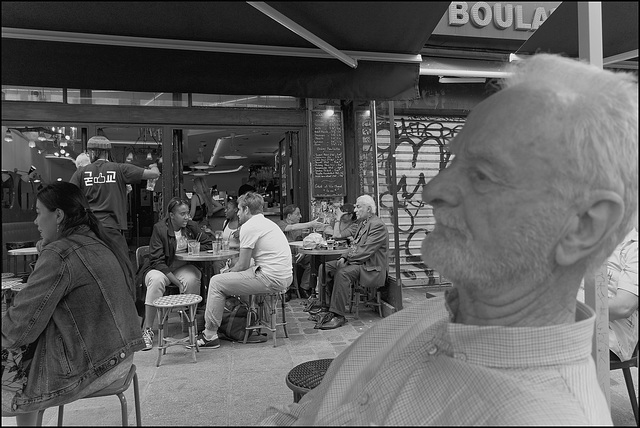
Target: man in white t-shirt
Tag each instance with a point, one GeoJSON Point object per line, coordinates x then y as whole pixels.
{"type": "Point", "coordinates": [622, 272]}
{"type": "Point", "coordinates": [262, 240]}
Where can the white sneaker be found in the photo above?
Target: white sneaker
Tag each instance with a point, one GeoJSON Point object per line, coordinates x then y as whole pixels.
{"type": "Point", "coordinates": [147, 335]}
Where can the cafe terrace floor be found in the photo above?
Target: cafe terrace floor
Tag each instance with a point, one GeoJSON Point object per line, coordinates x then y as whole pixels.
{"type": "Point", "coordinates": [233, 384]}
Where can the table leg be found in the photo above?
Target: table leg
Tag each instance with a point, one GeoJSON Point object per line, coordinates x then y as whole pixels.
{"type": "Point", "coordinates": [323, 284]}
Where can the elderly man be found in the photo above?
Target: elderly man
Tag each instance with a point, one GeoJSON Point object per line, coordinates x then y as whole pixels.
{"type": "Point", "coordinates": [262, 240]}
{"type": "Point", "coordinates": [366, 261]}
{"type": "Point", "coordinates": [295, 231]}
{"type": "Point", "coordinates": [104, 182]}
{"type": "Point", "coordinates": [542, 186]}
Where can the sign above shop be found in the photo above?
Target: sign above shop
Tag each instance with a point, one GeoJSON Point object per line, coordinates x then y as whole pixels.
{"type": "Point", "coordinates": [494, 20]}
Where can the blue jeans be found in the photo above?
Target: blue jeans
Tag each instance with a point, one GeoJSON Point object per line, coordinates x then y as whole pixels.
{"type": "Point", "coordinates": [250, 281]}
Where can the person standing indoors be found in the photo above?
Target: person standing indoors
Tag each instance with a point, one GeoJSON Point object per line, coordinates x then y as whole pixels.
{"type": "Point", "coordinates": [262, 240]}
{"type": "Point", "coordinates": [542, 185]}
{"type": "Point", "coordinates": [72, 330]}
{"type": "Point", "coordinates": [203, 205]}
{"type": "Point", "coordinates": [249, 186]}
{"type": "Point", "coordinates": [366, 262]}
{"type": "Point", "coordinates": [169, 237]}
{"type": "Point", "coordinates": [103, 182]}
{"type": "Point", "coordinates": [296, 231]}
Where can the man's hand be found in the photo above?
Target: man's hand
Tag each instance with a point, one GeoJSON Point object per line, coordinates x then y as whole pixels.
{"type": "Point", "coordinates": [341, 262]}
{"type": "Point", "coordinates": [315, 224]}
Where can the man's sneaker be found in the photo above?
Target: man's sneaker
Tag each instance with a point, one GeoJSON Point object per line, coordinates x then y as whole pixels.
{"type": "Point", "coordinates": [147, 335]}
{"type": "Point", "coordinates": [205, 343]}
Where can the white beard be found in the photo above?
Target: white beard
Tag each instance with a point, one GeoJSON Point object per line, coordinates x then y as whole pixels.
{"type": "Point", "coordinates": [524, 255]}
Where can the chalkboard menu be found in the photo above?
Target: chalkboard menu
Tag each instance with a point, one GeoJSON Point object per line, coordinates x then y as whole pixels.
{"type": "Point", "coordinates": [327, 155]}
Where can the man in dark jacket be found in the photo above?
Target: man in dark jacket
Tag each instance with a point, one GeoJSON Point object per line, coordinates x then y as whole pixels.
{"type": "Point", "coordinates": [366, 261]}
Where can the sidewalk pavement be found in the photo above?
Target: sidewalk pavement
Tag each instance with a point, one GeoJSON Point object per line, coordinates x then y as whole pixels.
{"type": "Point", "coordinates": [232, 385]}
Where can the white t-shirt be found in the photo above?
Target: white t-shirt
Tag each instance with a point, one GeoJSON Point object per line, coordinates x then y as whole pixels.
{"type": "Point", "coordinates": [622, 270]}
{"type": "Point", "coordinates": [181, 242]}
{"type": "Point", "coordinates": [270, 247]}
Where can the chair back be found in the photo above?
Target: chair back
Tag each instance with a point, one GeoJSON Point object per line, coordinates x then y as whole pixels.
{"type": "Point", "coordinates": [142, 253]}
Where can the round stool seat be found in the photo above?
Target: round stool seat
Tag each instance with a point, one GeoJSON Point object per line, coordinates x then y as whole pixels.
{"type": "Point", "coordinates": [187, 304]}
{"type": "Point", "coordinates": [306, 376]}
{"type": "Point", "coordinates": [174, 300]}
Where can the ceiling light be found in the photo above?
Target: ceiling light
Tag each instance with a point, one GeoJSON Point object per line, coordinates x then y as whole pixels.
{"type": "Point", "coordinates": [41, 136]}
{"type": "Point", "coordinates": [462, 79]}
{"type": "Point", "coordinates": [62, 151]}
{"type": "Point", "coordinates": [32, 144]}
{"type": "Point", "coordinates": [233, 157]}
{"type": "Point", "coordinates": [149, 157]}
{"type": "Point", "coordinates": [63, 143]}
{"type": "Point", "coordinates": [129, 157]}
{"type": "Point", "coordinates": [8, 137]}
{"type": "Point", "coordinates": [328, 112]}
{"type": "Point", "coordinates": [59, 179]}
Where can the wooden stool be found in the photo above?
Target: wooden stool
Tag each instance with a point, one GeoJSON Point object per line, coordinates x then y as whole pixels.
{"type": "Point", "coordinates": [116, 388]}
{"type": "Point", "coordinates": [264, 319]}
{"type": "Point", "coordinates": [187, 303]}
{"type": "Point", "coordinates": [356, 291]}
{"type": "Point", "coordinates": [306, 376]}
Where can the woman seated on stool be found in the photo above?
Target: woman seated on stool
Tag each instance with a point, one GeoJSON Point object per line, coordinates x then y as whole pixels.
{"type": "Point", "coordinates": [72, 329]}
{"type": "Point", "coordinates": [169, 237]}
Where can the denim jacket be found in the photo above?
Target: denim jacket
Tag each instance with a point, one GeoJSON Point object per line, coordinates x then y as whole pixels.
{"type": "Point", "coordinates": [78, 313]}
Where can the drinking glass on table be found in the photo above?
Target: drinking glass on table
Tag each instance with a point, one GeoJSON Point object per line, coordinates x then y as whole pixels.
{"type": "Point", "coordinates": [193, 247]}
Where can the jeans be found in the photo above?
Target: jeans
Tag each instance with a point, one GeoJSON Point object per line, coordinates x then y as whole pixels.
{"type": "Point", "coordinates": [156, 282]}
{"type": "Point", "coordinates": [250, 281]}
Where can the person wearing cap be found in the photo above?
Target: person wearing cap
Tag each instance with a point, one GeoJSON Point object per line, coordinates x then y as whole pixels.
{"type": "Point", "coordinates": [104, 183]}
{"type": "Point", "coordinates": [295, 231]}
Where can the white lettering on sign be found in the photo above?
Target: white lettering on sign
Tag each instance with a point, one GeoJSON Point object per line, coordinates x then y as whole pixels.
{"type": "Point", "coordinates": [502, 15]}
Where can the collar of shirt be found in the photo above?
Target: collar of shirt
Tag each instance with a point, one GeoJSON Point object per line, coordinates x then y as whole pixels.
{"type": "Point", "coordinates": [500, 346]}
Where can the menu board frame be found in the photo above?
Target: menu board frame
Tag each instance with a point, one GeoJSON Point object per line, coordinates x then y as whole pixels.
{"type": "Point", "coordinates": [327, 155]}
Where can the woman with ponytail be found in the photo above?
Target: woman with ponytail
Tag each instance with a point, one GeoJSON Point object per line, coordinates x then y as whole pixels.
{"type": "Point", "coordinates": [73, 328]}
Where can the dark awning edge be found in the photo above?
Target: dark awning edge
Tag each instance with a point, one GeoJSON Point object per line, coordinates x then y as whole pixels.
{"type": "Point", "coordinates": [86, 66]}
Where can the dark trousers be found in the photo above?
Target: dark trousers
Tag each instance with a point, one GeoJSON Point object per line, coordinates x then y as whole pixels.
{"type": "Point", "coordinates": [116, 235]}
{"type": "Point", "coordinates": [341, 289]}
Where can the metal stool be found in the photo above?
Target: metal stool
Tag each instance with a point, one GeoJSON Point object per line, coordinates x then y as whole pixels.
{"type": "Point", "coordinates": [256, 305]}
{"type": "Point", "coordinates": [187, 303]}
{"type": "Point", "coordinates": [116, 388]}
{"type": "Point", "coordinates": [306, 376]}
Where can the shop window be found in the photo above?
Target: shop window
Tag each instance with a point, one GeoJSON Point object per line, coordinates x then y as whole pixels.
{"type": "Point", "coordinates": [244, 101]}
{"type": "Point", "coordinates": [32, 93]}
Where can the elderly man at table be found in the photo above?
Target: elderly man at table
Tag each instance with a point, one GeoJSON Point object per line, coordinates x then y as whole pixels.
{"type": "Point", "coordinates": [262, 240]}
{"type": "Point", "coordinates": [295, 231]}
{"type": "Point", "coordinates": [366, 261]}
{"type": "Point", "coordinates": [542, 185]}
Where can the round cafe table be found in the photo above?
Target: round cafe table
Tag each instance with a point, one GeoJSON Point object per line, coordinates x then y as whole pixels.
{"type": "Point", "coordinates": [318, 257]}
{"type": "Point", "coordinates": [31, 252]}
{"type": "Point", "coordinates": [207, 258]}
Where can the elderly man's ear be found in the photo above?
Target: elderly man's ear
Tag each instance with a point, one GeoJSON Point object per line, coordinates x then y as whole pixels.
{"type": "Point", "coordinates": [585, 231]}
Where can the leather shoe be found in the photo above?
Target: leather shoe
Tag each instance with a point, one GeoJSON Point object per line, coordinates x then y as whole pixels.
{"type": "Point", "coordinates": [335, 322]}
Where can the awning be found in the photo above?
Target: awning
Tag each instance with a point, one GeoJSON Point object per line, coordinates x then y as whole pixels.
{"type": "Point", "coordinates": [559, 33]}
{"type": "Point", "coordinates": [219, 47]}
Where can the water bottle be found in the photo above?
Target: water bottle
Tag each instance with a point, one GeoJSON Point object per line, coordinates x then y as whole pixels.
{"type": "Point", "coordinates": [151, 183]}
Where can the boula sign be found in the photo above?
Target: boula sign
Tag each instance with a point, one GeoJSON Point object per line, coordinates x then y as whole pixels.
{"type": "Point", "coordinates": [488, 19]}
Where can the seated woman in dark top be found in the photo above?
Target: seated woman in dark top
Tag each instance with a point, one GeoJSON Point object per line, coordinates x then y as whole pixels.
{"type": "Point", "coordinates": [73, 328]}
{"type": "Point", "coordinates": [169, 237]}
